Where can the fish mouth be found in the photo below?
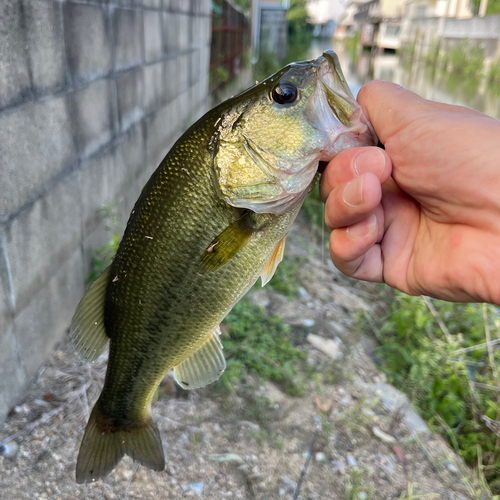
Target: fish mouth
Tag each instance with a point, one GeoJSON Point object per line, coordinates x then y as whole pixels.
{"type": "Point", "coordinates": [334, 85]}
{"type": "Point", "coordinates": [336, 110]}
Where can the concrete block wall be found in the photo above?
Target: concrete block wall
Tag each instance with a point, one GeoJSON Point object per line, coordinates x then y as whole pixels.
{"type": "Point", "coordinates": [92, 96]}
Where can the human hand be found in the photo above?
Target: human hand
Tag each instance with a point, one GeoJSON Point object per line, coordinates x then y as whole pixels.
{"type": "Point", "coordinates": [424, 215]}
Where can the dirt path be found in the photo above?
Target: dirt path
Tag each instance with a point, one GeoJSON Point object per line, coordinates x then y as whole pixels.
{"type": "Point", "coordinates": [364, 440]}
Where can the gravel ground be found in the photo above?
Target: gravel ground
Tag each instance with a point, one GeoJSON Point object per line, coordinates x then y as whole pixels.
{"type": "Point", "coordinates": [357, 438]}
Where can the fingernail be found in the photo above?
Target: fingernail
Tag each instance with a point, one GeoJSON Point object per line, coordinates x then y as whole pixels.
{"type": "Point", "coordinates": [363, 228]}
{"type": "Point", "coordinates": [353, 192]}
{"type": "Point", "coordinates": [372, 160]}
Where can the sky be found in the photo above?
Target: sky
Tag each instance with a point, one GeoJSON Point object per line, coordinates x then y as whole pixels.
{"type": "Point", "coordinates": [324, 10]}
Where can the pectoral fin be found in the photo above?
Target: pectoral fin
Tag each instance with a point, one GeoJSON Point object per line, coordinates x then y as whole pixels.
{"type": "Point", "coordinates": [204, 366]}
{"type": "Point", "coordinates": [87, 327]}
{"type": "Point", "coordinates": [272, 263]}
{"type": "Point", "coordinates": [225, 246]}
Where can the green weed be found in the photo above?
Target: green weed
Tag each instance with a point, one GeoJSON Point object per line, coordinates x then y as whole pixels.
{"type": "Point", "coordinates": [354, 488]}
{"type": "Point", "coordinates": [286, 278]}
{"type": "Point", "coordinates": [103, 256]}
{"type": "Point", "coordinates": [258, 344]}
{"type": "Point", "coordinates": [464, 58]}
{"type": "Point", "coordinates": [436, 352]}
{"type": "Point", "coordinates": [313, 208]}
{"type": "Point", "coordinates": [494, 72]}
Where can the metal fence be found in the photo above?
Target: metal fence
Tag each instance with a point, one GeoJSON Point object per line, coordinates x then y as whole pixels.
{"type": "Point", "coordinates": [230, 40]}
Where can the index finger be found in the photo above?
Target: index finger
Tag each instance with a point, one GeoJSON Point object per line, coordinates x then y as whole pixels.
{"type": "Point", "coordinates": [389, 106]}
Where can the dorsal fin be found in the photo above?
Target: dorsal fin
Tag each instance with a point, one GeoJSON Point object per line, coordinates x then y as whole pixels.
{"type": "Point", "coordinates": [272, 264]}
{"type": "Point", "coordinates": [87, 328]}
{"type": "Point", "coordinates": [203, 366]}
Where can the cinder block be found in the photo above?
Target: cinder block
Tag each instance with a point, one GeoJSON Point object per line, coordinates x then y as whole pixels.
{"type": "Point", "coordinates": [205, 30]}
{"type": "Point", "coordinates": [205, 7]}
{"type": "Point", "coordinates": [43, 21]}
{"type": "Point", "coordinates": [100, 182]}
{"type": "Point", "coordinates": [196, 7]}
{"type": "Point", "coordinates": [43, 237]}
{"type": "Point", "coordinates": [131, 153]}
{"type": "Point", "coordinates": [184, 31]}
{"type": "Point", "coordinates": [204, 90]}
{"type": "Point", "coordinates": [130, 97]}
{"type": "Point", "coordinates": [196, 35]}
{"type": "Point", "coordinates": [204, 61]}
{"type": "Point", "coordinates": [15, 85]}
{"type": "Point", "coordinates": [87, 40]}
{"type": "Point", "coordinates": [152, 4]}
{"type": "Point", "coordinates": [158, 131]}
{"type": "Point", "coordinates": [39, 133]}
{"type": "Point", "coordinates": [12, 376]}
{"type": "Point", "coordinates": [6, 298]}
{"type": "Point", "coordinates": [153, 40]}
{"type": "Point", "coordinates": [172, 79]}
{"type": "Point", "coordinates": [170, 33]}
{"type": "Point", "coordinates": [129, 41]}
{"type": "Point", "coordinates": [93, 115]}
{"type": "Point", "coordinates": [43, 322]}
{"type": "Point", "coordinates": [154, 79]}
{"type": "Point", "coordinates": [180, 5]}
{"type": "Point", "coordinates": [194, 61]}
{"type": "Point", "coordinates": [183, 68]}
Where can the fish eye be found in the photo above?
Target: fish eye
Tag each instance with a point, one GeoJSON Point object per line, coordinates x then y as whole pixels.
{"type": "Point", "coordinates": [285, 93]}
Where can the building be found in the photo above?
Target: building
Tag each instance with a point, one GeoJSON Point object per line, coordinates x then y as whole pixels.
{"type": "Point", "coordinates": [347, 26]}
{"type": "Point", "coordinates": [380, 23]}
{"type": "Point", "coordinates": [270, 27]}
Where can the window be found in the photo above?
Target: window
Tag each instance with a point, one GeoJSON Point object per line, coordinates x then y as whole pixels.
{"type": "Point", "coordinates": [421, 11]}
{"type": "Point", "coordinates": [392, 31]}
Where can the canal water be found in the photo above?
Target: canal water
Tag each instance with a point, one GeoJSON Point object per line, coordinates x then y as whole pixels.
{"type": "Point", "coordinates": [427, 81]}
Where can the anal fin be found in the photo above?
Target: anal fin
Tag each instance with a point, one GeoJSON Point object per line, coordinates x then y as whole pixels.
{"type": "Point", "coordinates": [273, 262]}
{"type": "Point", "coordinates": [87, 327]}
{"type": "Point", "coordinates": [204, 366]}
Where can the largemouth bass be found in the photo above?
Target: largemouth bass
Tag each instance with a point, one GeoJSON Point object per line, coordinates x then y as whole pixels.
{"type": "Point", "coordinates": [211, 220]}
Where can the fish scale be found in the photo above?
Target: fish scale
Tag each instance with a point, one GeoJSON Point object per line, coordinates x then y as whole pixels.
{"type": "Point", "coordinates": [209, 222]}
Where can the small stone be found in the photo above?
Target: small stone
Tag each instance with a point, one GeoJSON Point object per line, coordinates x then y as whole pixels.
{"type": "Point", "coordinates": [339, 466]}
{"type": "Point", "coordinates": [197, 488]}
{"type": "Point", "coordinates": [9, 449]}
{"type": "Point", "coordinates": [184, 440]}
{"type": "Point", "coordinates": [320, 457]}
{"type": "Point", "coordinates": [351, 460]}
{"type": "Point", "coordinates": [451, 467]}
{"type": "Point", "coordinates": [273, 393]}
{"type": "Point", "coordinates": [227, 457]}
{"type": "Point", "coordinates": [217, 428]}
{"type": "Point", "coordinates": [304, 294]}
{"type": "Point", "coordinates": [327, 346]}
{"type": "Point", "coordinates": [282, 492]}
{"type": "Point", "coordinates": [250, 425]}
{"type": "Point", "coordinates": [289, 484]}
{"type": "Point", "coordinates": [308, 323]}
{"type": "Point", "coordinates": [362, 495]}
{"type": "Point", "coordinates": [21, 409]}
{"type": "Point", "coordinates": [386, 438]}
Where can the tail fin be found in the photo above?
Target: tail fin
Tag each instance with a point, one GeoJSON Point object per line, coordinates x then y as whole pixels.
{"type": "Point", "coordinates": [104, 445]}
